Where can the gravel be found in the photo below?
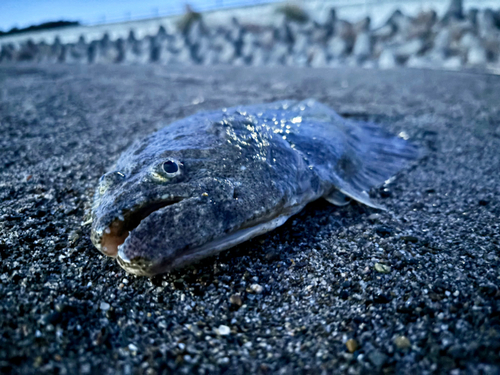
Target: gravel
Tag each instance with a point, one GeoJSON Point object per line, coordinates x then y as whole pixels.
{"type": "Point", "coordinates": [336, 289]}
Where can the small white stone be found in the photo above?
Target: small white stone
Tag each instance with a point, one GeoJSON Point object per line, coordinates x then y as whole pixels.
{"type": "Point", "coordinates": [104, 306]}
{"type": "Point", "coordinates": [223, 330]}
{"type": "Point", "coordinates": [223, 361]}
{"type": "Point", "coordinates": [125, 281]}
{"type": "Point", "coordinates": [256, 288]}
{"type": "Point", "coordinates": [132, 347]}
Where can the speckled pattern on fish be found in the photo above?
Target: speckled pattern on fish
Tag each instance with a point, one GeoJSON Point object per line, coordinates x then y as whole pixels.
{"type": "Point", "coordinates": [215, 179]}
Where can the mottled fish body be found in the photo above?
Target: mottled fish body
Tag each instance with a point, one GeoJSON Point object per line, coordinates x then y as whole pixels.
{"type": "Point", "coordinates": [215, 179]}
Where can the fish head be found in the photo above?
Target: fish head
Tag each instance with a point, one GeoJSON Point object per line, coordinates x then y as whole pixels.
{"type": "Point", "coordinates": [166, 204]}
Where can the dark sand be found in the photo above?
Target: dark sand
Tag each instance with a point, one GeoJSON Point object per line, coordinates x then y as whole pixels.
{"type": "Point", "coordinates": [66, 309]}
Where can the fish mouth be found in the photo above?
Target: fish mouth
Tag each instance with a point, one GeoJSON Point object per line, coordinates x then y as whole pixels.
{"type": "Point", "coordinates": [118, 231]}
{"type": "Point", "coordinates": [144, 267]}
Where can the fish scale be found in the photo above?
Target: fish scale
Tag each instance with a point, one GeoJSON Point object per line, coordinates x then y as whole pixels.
{"type": "Point", "coordinates": [210, 181]}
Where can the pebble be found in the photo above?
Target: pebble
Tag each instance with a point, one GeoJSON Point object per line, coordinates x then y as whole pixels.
{"type": "Point", "coordinates": [402, 342]}
{"type": "Point", "coordinates": [104, 306]}
{"type": "Point", "coordinates": [256, 288]}
{"type": "Point", "coordinates": [374, 217]}
{"type": "Point", "coordinates": [235, 300]}
{"type": "Point", "coordinates": [352, 345]}
{"type": "Point", "coordinates": [223, 361]}
{"type": "Point", "coordinates": [223, 330]}
{"type": "Point", "coordinates": [382, 268]}
{"type": "Point", "coordinates": [73, 237]}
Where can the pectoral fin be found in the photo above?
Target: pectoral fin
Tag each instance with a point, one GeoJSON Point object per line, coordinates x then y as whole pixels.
{"type": "Point", "coordinates": [342, 198]}
{"type": "Point", "coordinates": [338, 198]}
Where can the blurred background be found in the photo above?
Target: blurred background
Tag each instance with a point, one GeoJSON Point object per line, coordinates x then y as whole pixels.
{"type": "Point", "coordinates": [439, 34]}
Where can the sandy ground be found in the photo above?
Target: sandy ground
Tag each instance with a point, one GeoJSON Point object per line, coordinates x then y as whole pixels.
{"type": "Point", "coordinates": [345, 290]}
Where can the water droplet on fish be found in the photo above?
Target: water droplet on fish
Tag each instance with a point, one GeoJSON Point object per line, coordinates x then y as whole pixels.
{"type": "Point", "coordinates": [404, 135]}
{"type": "Point", "coordinates": [198, 100]}
{"type": "Point", "coordinates": [107, 231]}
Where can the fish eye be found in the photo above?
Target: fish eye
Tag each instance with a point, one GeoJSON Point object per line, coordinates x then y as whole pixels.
{"type": "Point", "coordinates": [171, 168]}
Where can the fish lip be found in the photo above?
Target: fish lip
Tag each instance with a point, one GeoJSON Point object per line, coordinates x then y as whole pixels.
{"type": "Point", "coordinates": [120, 228]}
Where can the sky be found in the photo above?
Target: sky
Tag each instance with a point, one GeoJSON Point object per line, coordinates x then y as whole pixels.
{"type": "Point", "coordinates": [22, 13]}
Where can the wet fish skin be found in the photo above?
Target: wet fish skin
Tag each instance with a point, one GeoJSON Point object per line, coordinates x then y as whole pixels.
{"type": "Point", "coordinates": [239, 172]}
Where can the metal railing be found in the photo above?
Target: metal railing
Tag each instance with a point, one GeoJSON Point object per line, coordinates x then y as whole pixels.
{"type": "Point", "coordinates": [176, 8]}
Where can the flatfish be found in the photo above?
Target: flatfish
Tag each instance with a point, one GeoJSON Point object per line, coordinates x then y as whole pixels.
{"type": "Point", "coordinates": [215, 179]}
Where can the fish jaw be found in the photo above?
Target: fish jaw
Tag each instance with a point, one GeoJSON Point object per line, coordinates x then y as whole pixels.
{"type": "Point", "coordinates": [142, 266]}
